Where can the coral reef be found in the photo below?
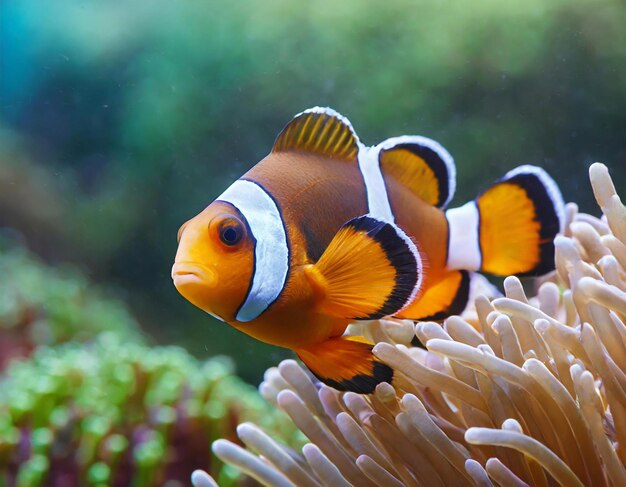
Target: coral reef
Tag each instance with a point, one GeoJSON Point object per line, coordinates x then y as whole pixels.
{"type": "Point", "coordinates": [523, 391]}
{"type": "Point", "coordinates": [40, 305]}
{"type": "Point", "coordinates": [114, 413]}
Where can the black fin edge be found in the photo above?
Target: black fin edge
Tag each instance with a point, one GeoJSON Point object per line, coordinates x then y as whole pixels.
{"type": "Point", "coordinates": [458, 304]}
{"type": "Point", "coordinates": [445, 172]}
{"type": "Point", "coordinates": [546, 212]}
{"type": "Point", "coordinates": [361, 383]}
{"type": "Point", "coordinates": [400, 256]}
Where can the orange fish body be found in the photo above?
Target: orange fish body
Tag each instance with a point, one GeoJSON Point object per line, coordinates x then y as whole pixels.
{"type": "Point", "coordinates": [325, 231]}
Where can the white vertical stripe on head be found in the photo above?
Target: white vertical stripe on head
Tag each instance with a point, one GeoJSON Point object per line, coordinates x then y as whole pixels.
{"type": "Point", "coordinates": [377, 198]}
{"type": "Point", "coordinates": [271, 252]}
{"type": "Point", "coordinates": [464, 237]}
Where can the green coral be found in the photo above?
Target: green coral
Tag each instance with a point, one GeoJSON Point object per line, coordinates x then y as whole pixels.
{"type": "Point", "coordinates": [122, 414]}
{"type": "Point", "coordinates": [40, 305]}
{"type": "Point", "coordinates": [88, 403]}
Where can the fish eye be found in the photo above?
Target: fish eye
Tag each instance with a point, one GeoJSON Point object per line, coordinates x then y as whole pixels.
{"type": "Point", "coordinates": [230, 231]}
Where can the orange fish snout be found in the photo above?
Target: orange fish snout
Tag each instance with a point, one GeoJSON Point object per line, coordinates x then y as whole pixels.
{"type": "Point", "coordinates": [189, 274]}
{"type": "Point", "coordinates": [214, 261]}
{"type": "Point", "coordinates": [196, 283]}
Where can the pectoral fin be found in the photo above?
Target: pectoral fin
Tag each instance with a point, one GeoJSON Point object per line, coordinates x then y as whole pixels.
{"type": "Point", "coordinates": [369, 270]}
{"type": "Point", "coordinates": [346, 364]}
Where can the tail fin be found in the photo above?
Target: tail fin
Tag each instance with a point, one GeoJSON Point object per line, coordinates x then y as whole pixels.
{"type": "Point", "coordinates": [510, 227]}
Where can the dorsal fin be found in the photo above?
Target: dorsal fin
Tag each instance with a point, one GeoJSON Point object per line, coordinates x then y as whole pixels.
{"type": "Point", "coordinates": [320, 131]}
{"type": "Point", "coordinates": [420, 164]}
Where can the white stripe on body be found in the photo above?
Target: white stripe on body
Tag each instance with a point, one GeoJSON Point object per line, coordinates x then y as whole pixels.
{"type": "Point", "coordinates": [271, 252]}
{"type": "Point", "coordinates": [379, 206]}
{"type": "Point", "coordinates": [377, 198]}
{"type": "Point", "coordinates": [464, 239]}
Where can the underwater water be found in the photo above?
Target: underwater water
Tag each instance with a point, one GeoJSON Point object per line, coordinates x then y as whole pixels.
{"type": "Point", "coordinates": [119, 121]}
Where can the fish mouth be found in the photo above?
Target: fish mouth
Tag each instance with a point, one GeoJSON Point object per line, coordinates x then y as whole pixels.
{"type": "Point", "coordinates": [184, 273]}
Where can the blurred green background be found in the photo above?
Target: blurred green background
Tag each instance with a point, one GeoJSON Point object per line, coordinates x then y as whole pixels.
{"type": "Point", "coordinates": [119, 120]}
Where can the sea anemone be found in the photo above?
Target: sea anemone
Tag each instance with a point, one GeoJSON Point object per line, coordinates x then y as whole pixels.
{"type": "Point", "coordinates": [521, 391]}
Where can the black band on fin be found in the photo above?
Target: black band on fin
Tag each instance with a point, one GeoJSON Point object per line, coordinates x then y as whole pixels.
{"type": "Point", "coordinates": [370, 269]}
{"type": "Point", "coordinates": [402, 255]}
{"type": "Point", "coordinates": [422, 165]}
{"type": "Point", "coordinates": [361, 383]}
{"type": "Point", "coordinates": [346, 364]}
{"type": "Point", "coordinates": [549, 210]}
{"type": "Point", "coordinates": [459, 302]}
{"type": "Point", "coordinates": [508, 222]}
{"type": "Point", "coordinates": [320, 131]}
{"type": "Point", "coordinates": [449, 296]}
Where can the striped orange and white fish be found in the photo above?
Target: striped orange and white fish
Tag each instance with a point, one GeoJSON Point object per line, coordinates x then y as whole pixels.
{"type": "Point", "coordinates": [325, 231]}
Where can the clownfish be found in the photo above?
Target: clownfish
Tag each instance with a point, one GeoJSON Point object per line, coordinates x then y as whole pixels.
{"type": "Point", "coordinates": [325, 231]}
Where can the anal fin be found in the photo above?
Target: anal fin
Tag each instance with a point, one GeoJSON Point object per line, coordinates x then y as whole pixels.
{"type": "Point", "coordinates": [346, 364]}
{"type": "Point", "coordinates": [447, 297]}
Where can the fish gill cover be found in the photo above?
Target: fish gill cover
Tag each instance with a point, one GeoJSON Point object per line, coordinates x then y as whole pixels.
{"type": "Point", "coordinates": [523, 391]}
